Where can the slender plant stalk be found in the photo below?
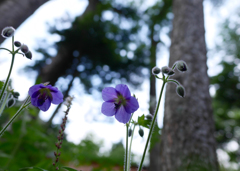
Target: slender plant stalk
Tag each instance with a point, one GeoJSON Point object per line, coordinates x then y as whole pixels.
{"type": "Point", "coordinates": [4, 102]}
{"type": "Point", "coordinates": [10, 70]}
{"type": "Point", "coordinates": [130, 147]}
{"type": "Point", "coordinates": [126, 152]}
{"type": "Point", "coordinates": [152, 126]}
{"type": "Point", "coordinates": [24, 105]}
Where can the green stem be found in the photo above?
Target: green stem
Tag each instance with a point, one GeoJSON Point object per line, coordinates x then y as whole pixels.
{"type": "Point", "coordinates": [152, 126]}
{"type": "Point", "coordinates": [130, 147]}
{"type": "Point", "coordinates": [24, 105]}
{"type": "Point", "coordinates": [126, 152]}
{"type": "Point", "coordinates": [10, 70]}
{"type": "Point", "coordinates": [4, 102]}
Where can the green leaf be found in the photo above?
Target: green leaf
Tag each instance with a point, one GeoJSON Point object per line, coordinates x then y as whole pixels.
{"type": "Point", "coordinates": [69, 168]}
{"type": "Point", "coordinates": [35, 168]}
{"type": "Point", "coordinates": [144, 122]}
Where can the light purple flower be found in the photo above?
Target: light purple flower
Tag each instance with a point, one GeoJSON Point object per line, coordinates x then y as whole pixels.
{"type": "Point", "coordinates": [119, 102]}
{"type": "Point", "coordinates": [42, 96]}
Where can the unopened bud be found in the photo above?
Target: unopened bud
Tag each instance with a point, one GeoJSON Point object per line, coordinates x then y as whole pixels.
{"type": "Point", "coordinates": [17, 43]}
{"type": "Point", "coordinates": [156, 70]}
{"type": "Point", "coordinates": [130, 132]}
{"type": "Point", "coordinates": [180, 91]}
{"type": "Point", "coordinates": [181, 66]}
{"type": "Point", "coordinates": [165, 69]}
{"type": "Point", "coordinates": [24, 48]}
{"type": "Point", "coordinates": [8, 32]}
{"type": "Point", "coordinates": [171, 72]}
{"type": "Point", "coordinates": [28, 55]}
{"type": "Point", "coordinates": [140, 131]}
{"type": "Point", "coordinates": [16, 95]}
{"type": "Point", "coordinates": [149, 117]}
{"type": "Point", "coordinates": [11, 102]}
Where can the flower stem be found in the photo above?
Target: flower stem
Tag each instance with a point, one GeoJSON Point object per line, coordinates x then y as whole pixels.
{"type": "Point", "coordinates": [10, 70]}
{"type": "Point", "coordinates": [4, 102]}
{"type": "Point", "coordinates": [126, 152]}
{"type": "Point", "coordinates": [24, 105]}
{"type": "Point", "coordinates": [152, 125]}
{"type": "Point", "coordinates": [129, 153]}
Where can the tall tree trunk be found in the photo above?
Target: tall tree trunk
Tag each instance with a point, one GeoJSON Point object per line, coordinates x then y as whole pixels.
{"type": "Point", "coordinates": [15, 12]}
{"type": "Point", "coordinates": [188, 142]}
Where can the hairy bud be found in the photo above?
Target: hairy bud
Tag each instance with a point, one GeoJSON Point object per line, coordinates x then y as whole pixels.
{"type": "Point", "coordinates": [16, 95]}
{"type": "Point", "coordinates": [24, 48]}
{"type": "Point", "coordinates": [165, 69]}
{"type": "Point", "coordinates": [129, 132]}
{"type": "Point", "coordinates": [180, 91]}
{"type": "Point", "coordinates": [171, 72]}
{"type": "Point", "coordinates": [181, 66]}
{"type": "Point", "coordinates": [149, 117]}
{"type": "Point", "coordinates": [8, 32]}
{"type": "Point", "coordinates": [28, 55]}
{"type": "Point", "coordinates": [156, 70]}
{"type": "Point", "coordinates": [141, 132]}
{"type": "Point", "coordinates": [17, 43]}
{"type": "Point", "coordinates": [11, 102]}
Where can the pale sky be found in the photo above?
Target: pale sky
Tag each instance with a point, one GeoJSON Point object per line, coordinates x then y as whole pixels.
{"type": "Point", "coordinates": [35, 28]}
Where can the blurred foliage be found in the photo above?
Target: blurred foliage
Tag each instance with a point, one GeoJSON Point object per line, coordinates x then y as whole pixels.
{"type": "Point", "coordinates": [27, 143]}
{"type": "Point", "coordinates": [226, 101]}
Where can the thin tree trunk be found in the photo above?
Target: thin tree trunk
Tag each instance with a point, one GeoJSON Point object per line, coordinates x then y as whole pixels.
{"type": "Point", "coordinates": [15, 12]}
{"type": "Point", "coordinates": [188, 142]}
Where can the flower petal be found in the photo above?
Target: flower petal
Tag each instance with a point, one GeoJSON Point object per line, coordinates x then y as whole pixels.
{"type": "Point", "coordinates": [131, 105]}
{"type": "Point", "coordinates": [34, 101]}
{"type": "Point", "coordinates": [109, 94]}
{"type": "Point", "coordinates": [122, 116]}
{"type": "Point", "coordinates": [108, 109]}
{"type": "Point", "coordinates": [57, 97]}
{"type": "Point", "coordinates": [35, 88]}
{"type": "Point", "coordinates": [123, 89]}
{"type": "Point", "coordinates": [45, 106]}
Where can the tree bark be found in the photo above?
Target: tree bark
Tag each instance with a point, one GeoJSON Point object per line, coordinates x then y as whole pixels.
{"type": "Point", "coordinates": [188, 142]}
{"type": "Point", "coordinates": [15, 12]}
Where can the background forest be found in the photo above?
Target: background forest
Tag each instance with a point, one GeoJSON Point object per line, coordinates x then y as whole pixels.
{"type": "Point", "coordinates": [104, 43]}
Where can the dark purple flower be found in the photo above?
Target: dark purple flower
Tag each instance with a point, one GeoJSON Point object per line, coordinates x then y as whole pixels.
{"type": "Point", "coordinates": [119, 102]}
{"type": "Point", "coordinates": [42, 96]}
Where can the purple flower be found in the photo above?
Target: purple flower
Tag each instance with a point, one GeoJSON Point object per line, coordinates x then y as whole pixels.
{"type": "Point", "coordinates": [119, 102]}
{"type": "Point", "coordinates": [42, 96]}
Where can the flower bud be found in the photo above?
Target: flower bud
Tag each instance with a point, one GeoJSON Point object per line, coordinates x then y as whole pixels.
{"type": "Point", "coordinates": [180, 91]}
{"type": "Point", "coordinates": [10, 102]}
{"type": "Point", "coordinates": [149, 117]}
{"type": "Point", "coordinates": [129, 132]}
{"type": "Point", "coordinates": [165, 69]}
{"type": "Point", "coordinates": [28, 55]}
{"type": "Point", "coordinates": [171, 72]}
{"type": "Point", "coordinates": [140, 132]}
{"type": "Point", "coordinates": [156, 70]}
{"type": "Point", "coordinates": [24, 48]}
{"type": "Point", "coordinates": [181, 66]}
{"type": "Point", "coordinates": [17, 43]}
{"type": "Point", "coordinates": [16, 95]}
{"type": "Point", "coordinates": [8, 32]}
